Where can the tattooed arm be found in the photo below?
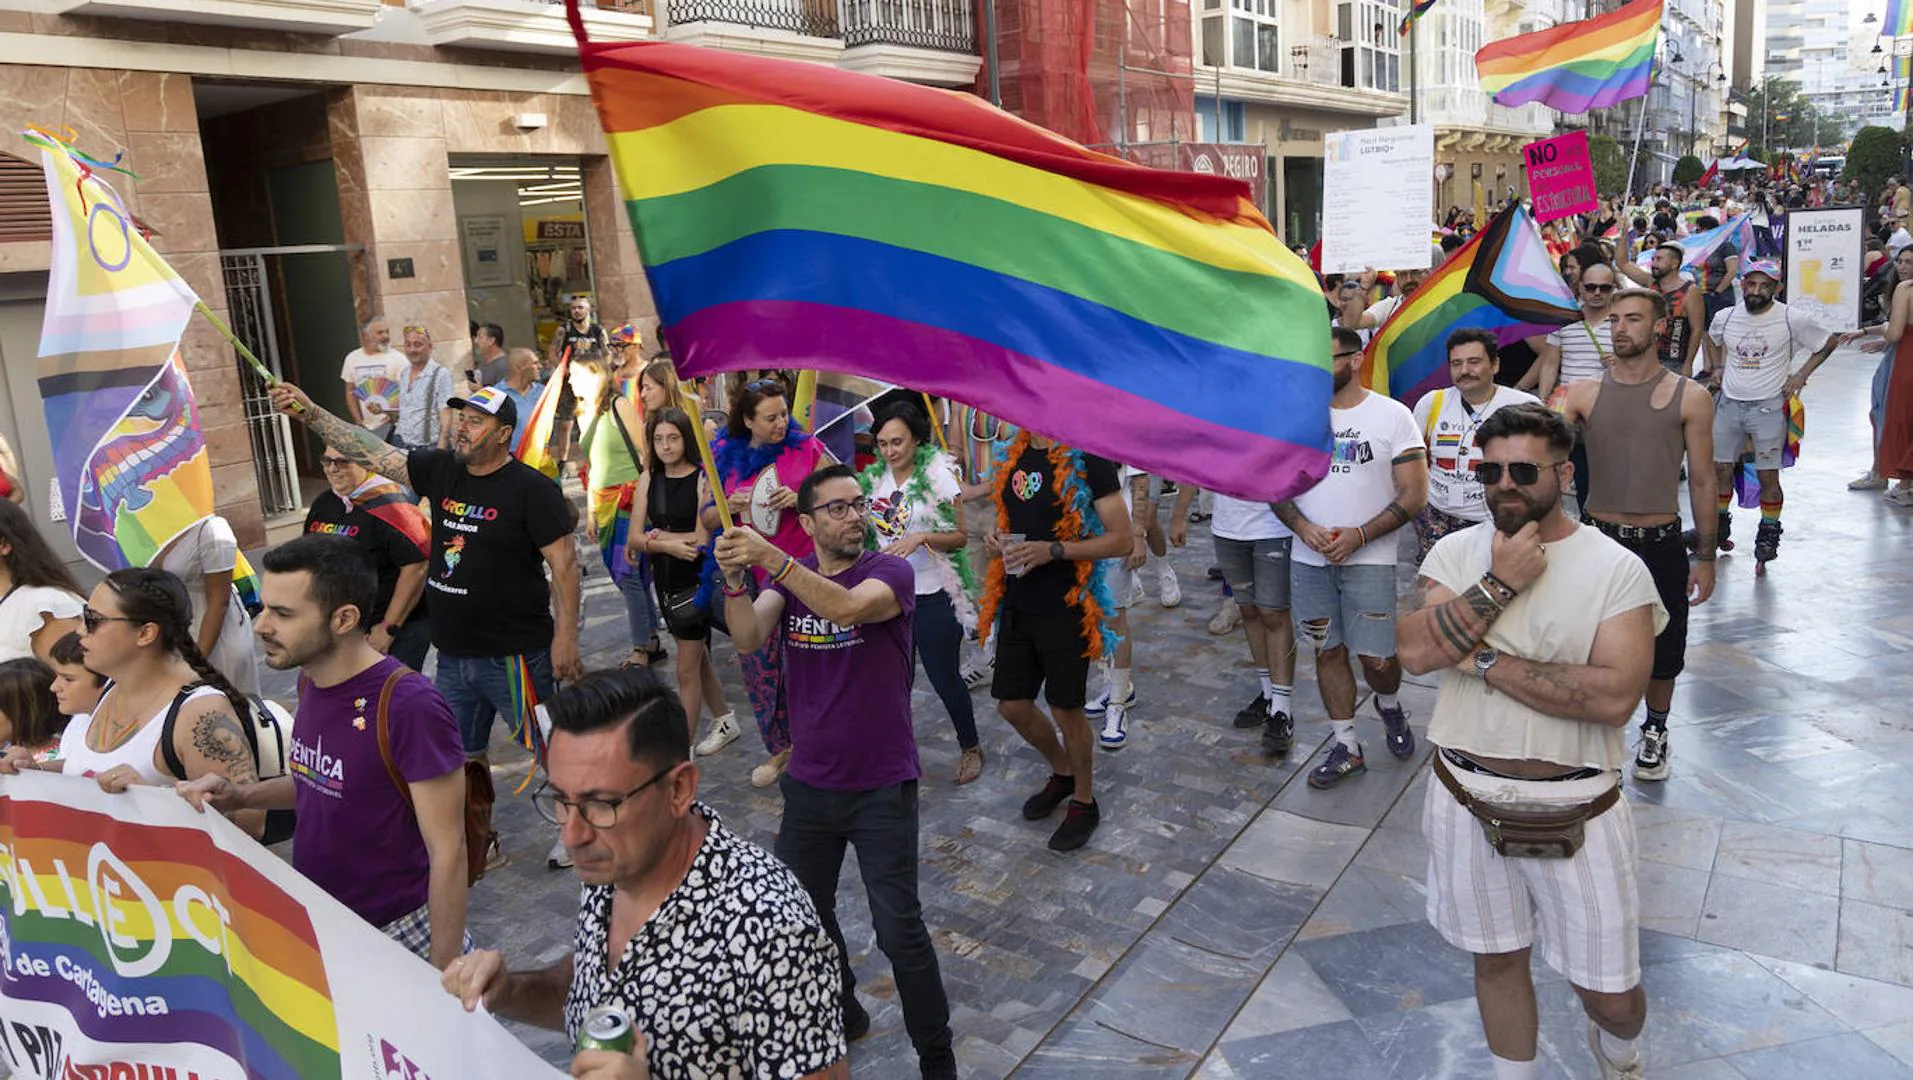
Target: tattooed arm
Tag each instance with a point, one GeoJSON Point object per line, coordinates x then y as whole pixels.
{"type": "Point", "coordinates": [1446, 628]}
{"type": "Point", "coordinates": [344, 436]}
{"type": "Point", "coordinates": [208, 739]}
{"type": "Point", "coordinates": [1604, 690]}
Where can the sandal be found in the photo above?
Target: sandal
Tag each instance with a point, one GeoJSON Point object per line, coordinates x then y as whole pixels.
{"type": "Point", "coordinates": [970, 765]}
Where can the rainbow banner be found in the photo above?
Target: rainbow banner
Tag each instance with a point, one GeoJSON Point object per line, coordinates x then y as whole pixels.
{"type": "Point", "coordinates": [1501, 280]}
{"type": "Point", "coordinates": [1576, 66]}
{"type": "Point", "coordinates": [794, 215]}
{"type": "Point", "coordinates": [127, 450]}
{"type": "Point", "coordinates": [143, 939]}
{"type": "Point", "coordinates": [1697, 248]}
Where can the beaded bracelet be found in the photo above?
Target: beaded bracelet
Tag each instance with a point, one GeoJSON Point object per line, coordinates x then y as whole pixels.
{"type": "Point", "coordinates": [1504, 593]}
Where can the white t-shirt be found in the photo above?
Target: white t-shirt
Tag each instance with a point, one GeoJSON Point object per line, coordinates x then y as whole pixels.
{"type": "Point", "coordinates": [891, 520]}
{"type": "Point", "coordinates": [1450, 435]}
{"type": "Point", "coordinates": [374, 381]}
{"type": "Point", "coordinates": [26, 610]}
{"type": "Point", "coordinates": [1759, 350]}
{"type": "Point", "coordinates": [210, 547]}
{"type": "Point", "coordinates": [1589, 580]}
{"type": "Point", "coordinates": [1380, 311]}
{"type": "Point", "coordinates": [1361, 475]}
{"type": "Point", "coordinates": [1241, 519]}
{"type": "Point", "coordinates": [1583, 354]}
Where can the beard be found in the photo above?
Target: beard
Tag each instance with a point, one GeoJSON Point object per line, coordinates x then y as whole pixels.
{"type": "Point", "coordinates": [1512, 511]}
{"type": "Point", "coordinates": [296, 653]}
{"type": "Point", "coordinates": [1343, 378]}
{"type": "Point", "coordinates": [1756, 304]}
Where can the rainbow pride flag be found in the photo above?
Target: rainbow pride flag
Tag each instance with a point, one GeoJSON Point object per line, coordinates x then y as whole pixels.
{"type": "Point", "coordinates": [127, 450]}
{"type": "Point", "coordinates": [1415, 12]}
{"type": "Point", "coordinates": [1899, 19]}
{"type": "Point", "coordinates": [235, 968]}
{"type": "Point", "coordinates": [794, 215]}
{"type": "Point", "coordinates": [1576, 66]}
{"type": "Point", "coordinates": [531, 441]}
{"type": "Point", "coordinates": [1501, 280]}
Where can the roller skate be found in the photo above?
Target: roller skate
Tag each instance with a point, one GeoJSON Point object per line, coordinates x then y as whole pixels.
{"type": "Point", "coordinates": [1766, 546]}
{"type": "Point", "coordinates": [1724, 537]}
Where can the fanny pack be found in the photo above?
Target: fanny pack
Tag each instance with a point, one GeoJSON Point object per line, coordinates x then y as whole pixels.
{"type": "Point", "coordinates": [1529, 834]}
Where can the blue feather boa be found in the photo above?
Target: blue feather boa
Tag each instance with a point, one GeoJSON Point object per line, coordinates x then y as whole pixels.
{"type": "Point", "coordinates": [738, 460]}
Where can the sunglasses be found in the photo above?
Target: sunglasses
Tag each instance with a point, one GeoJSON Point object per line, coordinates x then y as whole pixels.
{"type": "Point", "coordinates": [1351, 352]}
{"type": "Point", "coordinates": [1597, 288]}
{"type": "Point", "coordinates": [759, 385]}
{"type": "Point", "coordinates": [839, 509]}
{"type": "Point", "coordinates": [329, 462]}
{"type": "Point", "coordinates": [1523, 473]}
{"type": "Point", "coordinates": [93, 620]}
{"type": "Point", "coordinates": [418, 330]}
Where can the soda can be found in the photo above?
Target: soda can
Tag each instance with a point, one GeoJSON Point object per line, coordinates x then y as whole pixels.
{"type": "Point", "coordinates": [607, 1027]}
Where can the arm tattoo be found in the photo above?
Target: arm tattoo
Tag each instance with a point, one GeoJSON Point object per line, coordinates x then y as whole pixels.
{"type": "Point", "coordinates": [1550, 688]}
{"type": "Point", "coordinates": [1402, 516]}
{"type": "Point", "coordinates": [360, 445]}
{"type": "Point", "coordinates": [218, 738]}
{"type": "Point", "coordinates": [1286, 512]}
{"type": "Point", "coordinates": [1464, 621]}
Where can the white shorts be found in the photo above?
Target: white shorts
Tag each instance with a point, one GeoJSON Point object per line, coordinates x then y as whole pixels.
{"type": "Point", "coordinates": [1118, 579]}
{"type": "Point", "coordinates": [1588, 907]}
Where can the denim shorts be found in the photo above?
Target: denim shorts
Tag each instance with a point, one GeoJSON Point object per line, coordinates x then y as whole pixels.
{"type": "Point", "coordinates": [1764, 421]}
{"type": "Point", "coordinates": [1257, 570]}
{"type": "Point", "coordinates": [1346, 605]}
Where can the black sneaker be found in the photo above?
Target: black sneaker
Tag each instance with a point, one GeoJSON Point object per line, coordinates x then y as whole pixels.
{"type": "Point", "coordinates": [1279, 735]}
{"type": "Point", "coordinates": [1340, 764]}
{"type": "Point", "coordinates": [1724, 531]}
{"type": "Point", "coordinates": [856, 1020]}
{"type": "Point", "coordinates": [937, 1065]}
{"type": "Point", "coordinates": [1650, 763]}
{"type": "Point", "coordinates": [1254, 713]}
{"type": "Point", "coordinates": [1044, 803]}
{"type": "Point", "coordinates": [1401, 741]}
{"type": "Point", "coordinates": [1078, 824]}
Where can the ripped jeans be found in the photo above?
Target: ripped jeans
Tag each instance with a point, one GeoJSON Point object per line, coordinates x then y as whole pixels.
{"type": "Point", "coordinates": [1344, 605]}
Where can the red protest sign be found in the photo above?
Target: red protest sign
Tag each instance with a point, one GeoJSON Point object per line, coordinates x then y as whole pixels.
{"type": "Point", "coordinates": [1560, 176]}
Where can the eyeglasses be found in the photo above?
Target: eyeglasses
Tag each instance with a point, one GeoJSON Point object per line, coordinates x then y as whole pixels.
{"type": "Point", "coordinates": [839, 509]}
{"type": "Point", "coordinates": [1351, 352]}
{"type": "Point", "coordinates": [598, 813]}
{"type": "Point", "coordinates": [93, 620]}
{"type": "Point", "coordinates": [1523, 473]}
{"type": "Point", "coordinates": [1597, 288]}
{"type": "Point", "coordinates": [330, 462]}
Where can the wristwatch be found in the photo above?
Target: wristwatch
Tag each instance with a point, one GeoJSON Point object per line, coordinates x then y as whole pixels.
{"type": "Point", "coordinates": [391, 629]}
{"type": "Point", "coordinates": [1056, 551]}
{"type": "Point", "coordinates": [1484, 661]}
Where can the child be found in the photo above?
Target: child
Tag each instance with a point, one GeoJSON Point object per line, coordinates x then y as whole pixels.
{"type": "Point", "coordinates": [75, 686]}
{"type": "Point", "coordinates": [29, 717]}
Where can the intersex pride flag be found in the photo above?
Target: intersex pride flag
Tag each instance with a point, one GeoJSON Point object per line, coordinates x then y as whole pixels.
{"type": "Point", "coordinates": [795, 215]}
{"type": "Point", "coordinates": [142, 938]}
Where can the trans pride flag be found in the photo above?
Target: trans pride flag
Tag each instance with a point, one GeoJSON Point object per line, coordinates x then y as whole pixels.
{"type": "Point", "coordinates": [1501, 281]}
{"type": "Point", "coordinates": [127, 449]}
{"type": "Point", "coordinates": [793, 215]}
{"type": "Point", "coordinates": [1576, 66]}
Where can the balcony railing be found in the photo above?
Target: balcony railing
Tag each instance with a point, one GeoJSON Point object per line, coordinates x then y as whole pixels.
{"type": "Point", "coordinates": [811, 18]}
{"type": "Point", "coordinates": [944, 25]}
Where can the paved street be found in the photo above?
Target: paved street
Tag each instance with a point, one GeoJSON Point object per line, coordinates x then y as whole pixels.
{"type": "Point", "coordinates": [1228, 922]}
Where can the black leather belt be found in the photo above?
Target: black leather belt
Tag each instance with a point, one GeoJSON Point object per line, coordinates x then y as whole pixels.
{"type": "Point", "coordinates": [1647, 533]}
{"type": "Point", "coordinates": [1467, 764]}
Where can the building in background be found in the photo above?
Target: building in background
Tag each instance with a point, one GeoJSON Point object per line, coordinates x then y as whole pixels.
{"type": "Point", "coordinates": [1825, 46]}
{"type": "Point", "coordinates": [1477, 142]}
{"type": "Point", "coordinates": [1686, 107]}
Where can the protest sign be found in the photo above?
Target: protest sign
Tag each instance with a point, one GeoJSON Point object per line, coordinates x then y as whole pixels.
{"type": "Point", "coordinates": [1379, 187]}
{"type": "Point", "coordinates": [1560, 176]}
{"type": "Point", "coordinates": [1825, 250]}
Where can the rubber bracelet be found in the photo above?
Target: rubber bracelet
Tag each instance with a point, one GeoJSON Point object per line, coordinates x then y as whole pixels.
{"type": "Point", "coordinates": [739, 591]}
{"type": "Point", "coordinates": [784, 570]}
{"type": "Point", "coordinates": [1502, 585]}
{"type": "Point", "coordinates": [1362, 532]}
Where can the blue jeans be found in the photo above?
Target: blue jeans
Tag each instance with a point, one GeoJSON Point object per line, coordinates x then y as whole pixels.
{"type": "Point", "coordinates": [939, 639]}
{"type": "Point", "coordinates": [640, 611]}
{"type": "Point", "coordinates": [478, 688]}
{"type": "Point", "coordinates": [412, 642]}
{"type": "Point", "coordinates": [882, 826]}
{"type": "Point", "coordinates": [1876, 409]}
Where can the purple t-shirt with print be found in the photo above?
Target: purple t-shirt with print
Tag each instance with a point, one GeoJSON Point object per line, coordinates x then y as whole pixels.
{"type": "Point", "coordinates": [849, 687]}
{"type": "Point", "coordinates": [356, 836]}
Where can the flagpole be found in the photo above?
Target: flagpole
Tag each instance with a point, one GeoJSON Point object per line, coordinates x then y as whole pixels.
{"type": "Point", "coordinates": [804, 399]}
{"type": "Point", "coordinates": [696, 408]}
{"type": "Point", "coordinates": [1633, 159]}
{"type": "Point", "coordinates": [930, 407]}
{"type": "Point", "coordinates": [244, 353]}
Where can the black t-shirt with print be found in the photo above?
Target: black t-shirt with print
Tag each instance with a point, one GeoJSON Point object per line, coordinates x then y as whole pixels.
{"type": "Point", "coordinates": [487, 580]}
{"type": "Point", "coordinates": [389, 548]}
{"type": "Point", "coordinates": [1030, 499]}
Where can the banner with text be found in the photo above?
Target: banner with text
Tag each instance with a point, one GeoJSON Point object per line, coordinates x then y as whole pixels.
{"type": "Point", "coordinates": [1560, 176]}
{"type": "Point", "coordinates": [1826, 250]}
{"type": "Point", "coordinates": [141, 938]}
{"type": "Point", "coordinates": [1378, 189]}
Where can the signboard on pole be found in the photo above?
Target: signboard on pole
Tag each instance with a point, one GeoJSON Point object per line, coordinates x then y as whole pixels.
{"type": "Point", "coordinates": [1379, 196]}
{"type": "Point", "coordinates": [1826, 252]}
{"type": "Point", "coordinates": [1560, 176]}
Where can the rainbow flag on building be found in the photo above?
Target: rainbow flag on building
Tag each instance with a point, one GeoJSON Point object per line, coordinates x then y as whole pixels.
{"type": "Point", "coordinates": [127, 450]}
{"type": "Point", "coordinates": [1899, 19]}
{"type": "Point", "coordinates": [1415, 12]}
{"type": "Point", "coordinates": [1501, 280]}
{"type": "Point", "coordinates": [795, 215]}
{"type": "Point", "coordinates": [1576, 66]}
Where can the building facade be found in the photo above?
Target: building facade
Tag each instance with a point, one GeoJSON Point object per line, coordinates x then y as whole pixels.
{"type": "Point", "coordinates": [1826, 47]}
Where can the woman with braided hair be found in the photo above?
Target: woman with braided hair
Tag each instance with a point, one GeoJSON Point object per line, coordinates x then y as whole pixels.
{"type": "Point", "coordinates": [137, 631]}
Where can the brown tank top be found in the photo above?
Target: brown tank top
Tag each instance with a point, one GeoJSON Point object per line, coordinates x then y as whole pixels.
{"type": "Point", "coordinates": [1634, 450]}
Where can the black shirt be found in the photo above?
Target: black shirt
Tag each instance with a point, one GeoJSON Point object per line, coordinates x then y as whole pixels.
{"type": "Point", "coordinates": [390, 549]}
{"type": "Point", "coordinates": [487, 581]}
{"type": "Point", "coordinates": [1030, 499]}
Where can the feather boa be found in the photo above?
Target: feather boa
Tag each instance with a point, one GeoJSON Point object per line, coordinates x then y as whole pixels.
{"type": "Point", "coordinates": [1079, 521]}
{"type": "Point", "coordinates": [954, 576]}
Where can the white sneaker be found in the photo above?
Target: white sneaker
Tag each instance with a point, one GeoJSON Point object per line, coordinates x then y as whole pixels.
{"type": "Point", "coordinates": [1610, 1069]}
{"type": "Point", "coordinates": [1136, 594]}
{"type": "Point", "coordinates": [1226, 619]}
{"type": "Point", "coordinates": [722, 734]}
{"type": "Point", "coordinates": [979, 674]}
{"type": "Point", "coordinates": [1900, 496]}
{"type": "Point", "coordinates": [1116, 725]}
{"type": "Point", "coordinates": [559, 859]}
{"type": "Point", "coordinates": [1869, 481]}
{"type": "Point", "coordinates": [1171, 588]}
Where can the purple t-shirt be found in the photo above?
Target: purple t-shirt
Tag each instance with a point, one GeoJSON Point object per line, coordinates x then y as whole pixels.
{"type": "Point", "coordinates": [849, 687]}
{"type": "Point", "coordinates": [356, 836]}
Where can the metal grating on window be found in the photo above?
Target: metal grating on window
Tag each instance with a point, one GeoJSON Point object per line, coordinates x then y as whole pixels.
{"type": "Point", "coordinates": [24, 212]}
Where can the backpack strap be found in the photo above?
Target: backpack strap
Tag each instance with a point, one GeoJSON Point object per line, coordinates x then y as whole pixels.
{"type": "Point", "coordinates": [385, 732]}
{"type": "Point", "coordinates": [171, 756]}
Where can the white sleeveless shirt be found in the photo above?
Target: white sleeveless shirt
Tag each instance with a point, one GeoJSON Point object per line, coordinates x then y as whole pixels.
{"type": "Point", "coordinates": [78, 759]}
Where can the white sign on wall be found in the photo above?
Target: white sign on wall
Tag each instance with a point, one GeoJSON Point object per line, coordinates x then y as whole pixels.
{"type": "Point", "coordinates": [486, 251]}
{"type": "Point", "coordinates": [1826, 250]}
{"type": "Point", "coordinates": [1378, 191]}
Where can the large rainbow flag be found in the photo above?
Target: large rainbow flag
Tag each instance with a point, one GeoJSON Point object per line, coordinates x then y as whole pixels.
{"type": "Point", "coordinates": [1899, 19]}
{"type": "Point", "coordinates": [1576, 66]}
{"type": "Point", "coordinates": [1501, 280]}
{"type": "Point", "coordinates": [127, 450]}
{"type": "Point", "coordinates": [795, 215]}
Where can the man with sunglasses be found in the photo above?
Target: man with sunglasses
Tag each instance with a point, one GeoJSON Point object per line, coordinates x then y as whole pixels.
{"type": "Point", "coordinates": [1543, 631]}
{"type": "Point", "coordinates": [703, 939]}
{"type": "Point", "coordinates": [845, 617]}
{"type": "Point", "coordinates": [1642, 424]}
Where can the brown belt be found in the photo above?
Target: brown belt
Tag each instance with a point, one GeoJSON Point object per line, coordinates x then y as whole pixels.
{"type": "Point", "coordinates": [1498, 816]}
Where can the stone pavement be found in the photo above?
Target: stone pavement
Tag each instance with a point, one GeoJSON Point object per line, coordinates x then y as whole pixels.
{"type": "Point", "coordinates": [1228, 922]}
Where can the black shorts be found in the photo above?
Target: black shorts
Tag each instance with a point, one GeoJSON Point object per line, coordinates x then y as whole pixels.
{"type": "Point", "coordinates": [1041, 652]}
{"type": "Point", "coordinates": [1666, 560]}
